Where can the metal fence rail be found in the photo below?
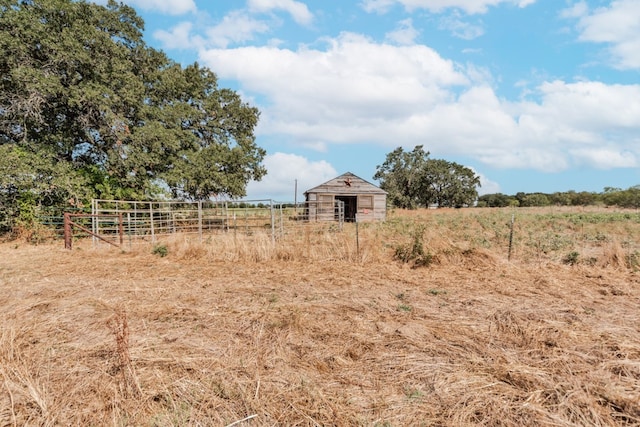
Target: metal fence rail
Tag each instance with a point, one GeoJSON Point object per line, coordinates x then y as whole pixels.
{"type": "Point", "coordinates": [150, 220]}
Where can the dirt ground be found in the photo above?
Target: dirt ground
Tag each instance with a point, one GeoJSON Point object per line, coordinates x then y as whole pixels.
{"type": "Point", "coordinates": [100, 336]}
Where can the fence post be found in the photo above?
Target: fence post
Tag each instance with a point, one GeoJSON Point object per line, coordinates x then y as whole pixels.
{"type": "Point", "coordinates": [281, 221]}
{"type": "Point", "coordinates": [357, 239]}
{"type": "Point", "coordinates": [129, 226]}
{"type": "Point", "coordinates": [67, 231]}
{"type": "Point", "coordinates": [513, 218]}
{"type": "Point", "coordinates": [200, 220]}
{"type": "Point", "coordinates": [153, 235]}
{"type": "Point", "coordinates": [273, 222]}
{"type": "Point", "coordinates": [94, 220]}
{"type": "Point", "coordinates": [120, 228]}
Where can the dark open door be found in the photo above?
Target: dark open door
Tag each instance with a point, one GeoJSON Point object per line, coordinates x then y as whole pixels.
{"type": "Point", "coordinates": [350, 207]}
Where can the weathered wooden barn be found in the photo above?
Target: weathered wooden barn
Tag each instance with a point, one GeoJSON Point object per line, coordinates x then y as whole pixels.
{"type": "Point", "coordinates": [358, 199]}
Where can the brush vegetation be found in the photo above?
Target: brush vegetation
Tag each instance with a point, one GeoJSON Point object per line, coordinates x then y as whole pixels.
{"type": "Point", "coordinates": [318, 327]}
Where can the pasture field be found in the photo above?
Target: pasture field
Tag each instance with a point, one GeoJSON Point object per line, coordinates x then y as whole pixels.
{"type": "Point", "coordinates": [433, 318]}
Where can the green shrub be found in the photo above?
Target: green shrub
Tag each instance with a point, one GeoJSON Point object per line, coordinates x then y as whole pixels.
{"type": "Point", "coordinates": [571, 258]}
{"type": "Point", "coordinates": [405, 307]}
{"type": "Point", "coordinates": [633, 261]}
{"type": "Point", "coordinates": [160, 250]}
{"type": "Point", "coordinates": [414, 252]}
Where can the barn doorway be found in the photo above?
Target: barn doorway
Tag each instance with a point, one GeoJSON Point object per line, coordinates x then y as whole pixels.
{"type": "Point", "coordinates": [350, 207]}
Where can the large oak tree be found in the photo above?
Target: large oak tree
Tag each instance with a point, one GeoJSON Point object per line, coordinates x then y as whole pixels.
{"type": "Point", "coordinates": [413, 180]}
{"type": "Point", "coordinates": [87, 101]}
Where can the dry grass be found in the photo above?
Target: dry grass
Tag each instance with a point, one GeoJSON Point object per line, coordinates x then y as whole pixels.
{"type": "Point", "coordinates": [318, 329]}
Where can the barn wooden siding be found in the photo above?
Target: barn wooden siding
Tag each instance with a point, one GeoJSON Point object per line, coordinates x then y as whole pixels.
{"type": "Point", "coordinates": [363, 200]}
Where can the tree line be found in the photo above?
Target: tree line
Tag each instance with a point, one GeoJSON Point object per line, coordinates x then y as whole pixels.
{"type": "Point", "coordinates": [629, 198]}
{"type": "Point", "coordinates": [413, 180]}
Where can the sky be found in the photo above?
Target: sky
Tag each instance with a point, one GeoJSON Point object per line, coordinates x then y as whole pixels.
{"type": "Point", "coordinates": [533, 95]}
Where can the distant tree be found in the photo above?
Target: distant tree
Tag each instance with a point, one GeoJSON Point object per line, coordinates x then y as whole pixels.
{"type": "Point", "coordinates": [412, 180]}
{"type": "Point", "coordinates": [560, 199]}
{"type": "Point", "coordinates": [401, 176]}
{"type": "Point", "coordinates": [612, 196]}
{"type": "Point", "coordinates": [629, 198]}
{"type": "Point", "coordinates": [584, 198]}
{"type": "Point", "coordinates": [536, 199]}
{"type": "Point", "coordinates": [496, 200]}
{"type": "Point", "coordinates": [84, 98]}
{"type": "Point", "coordinates": [632, 199]}
{"type": "Point", "coordinates": [521, 198]}
{"type": "Point", "coordinates": [449, 184]}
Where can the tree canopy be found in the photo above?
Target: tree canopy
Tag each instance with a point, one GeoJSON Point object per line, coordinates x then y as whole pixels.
{"type": "Point", "coordinates": [88, 110]}
{"type": "Point", "coordinates": [413, 180]}
{"type": "Point", "coordinates": [629, 198]}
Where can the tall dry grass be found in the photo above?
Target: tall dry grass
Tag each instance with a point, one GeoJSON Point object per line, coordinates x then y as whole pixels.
{"type": "Point", "coordinates": [316, 328]}
{"type": "Point", "coordinates": [586, 237]}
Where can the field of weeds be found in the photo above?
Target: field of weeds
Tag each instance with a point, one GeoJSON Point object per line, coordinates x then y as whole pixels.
{"type": "Point", "coordinates": [433, 318]}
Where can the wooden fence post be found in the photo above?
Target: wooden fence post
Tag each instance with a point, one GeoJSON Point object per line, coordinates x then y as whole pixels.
{"type": "Point", "coordinates": [67, 231]}
{"type": "Point", "coordinates": [513, 218]}
{"type": "Point", "coordinates": [120, 228]}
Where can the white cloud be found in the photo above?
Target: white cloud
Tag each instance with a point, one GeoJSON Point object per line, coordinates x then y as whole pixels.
{"type": "Point", "coordinates": [592, 106]}
{"type": "Point", "coordinates": [178, 37]}
{"type": "Point", "coordinates": [353, 76]}
{"type": "Point", "coordinates": [405, 34]}
{"type": "Point", "coordinates": [437, 6]}
{"type": "Point", "coordinates": [283, 172]}
{"type": "Point", "coordinates": [377, 6]}
{"type": "Point", "coordinates": [461, 29]}
{"type": "Point", "coordinates": [487, 186]}
{"type": "Point", "coordinates": [168, 7]}
{"type": "Point", "coordinates": [577, 10]}
{"type": "Point", "coordinates": [617, 25]}
{"type": "Point", "coordinates": [298, 10]}
{"type": "Point", "coordinates": [587, 123]}
{"type": "Point", "coordinates": [357, 91]}
{"type": "Point", "coordinates": [606, 158]}
{"type": "Point", "coordinates": [236, 27]}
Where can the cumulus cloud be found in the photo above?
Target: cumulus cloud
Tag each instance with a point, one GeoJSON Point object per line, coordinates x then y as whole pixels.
{"type": "Point", "coordinates": [405, 34]}
{"type": "Point", "coordinates": [283, 171]}
{"type": "Point", "coordinates": [460, 28]}
{"type": "Point", "coordinates": [168, 7]}
{"type": "Point", "coordinates": [577, 10]}
{"type": "Point", "coordinates": [606, 158]}
{"type": "Point", "coordinates": [359, 91]}
{"type": "Point", "coordinates": [298, 10]}
{"type": "Point", "coordinates": [616, 25]}
{"type": "Point", "coordinates": [437, 6]}
{"type": "Point", "coordinates": [353, 76]}
{"type": "Point", "coordinates": [487, 186]}
{"type": "Point", "coordinates": [236, 27]}
{"type": "Point", "coordinates": [377, 6]}
{"type": "Point", "coordinates": [179, 37]}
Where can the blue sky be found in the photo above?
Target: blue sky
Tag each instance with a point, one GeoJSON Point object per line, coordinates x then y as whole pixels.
{"type": "Point", "coordinates": [534, 95]}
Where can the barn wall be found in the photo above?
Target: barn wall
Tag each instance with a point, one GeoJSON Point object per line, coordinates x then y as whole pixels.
{"type": "Point", "coordinates": [338, 187]}
{"type": "Point", "coordinates": [376, 211]}
{"type": "Point", "coordinates": [371, 200]}
{"type": "Point", "coordinates": [319, 209]}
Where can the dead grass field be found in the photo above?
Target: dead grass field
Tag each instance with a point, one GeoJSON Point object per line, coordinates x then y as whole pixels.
{"type": "Point", "coordinates": [321, 330]}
